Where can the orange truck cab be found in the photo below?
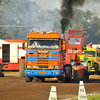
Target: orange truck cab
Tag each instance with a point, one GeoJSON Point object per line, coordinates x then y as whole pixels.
{"type": "Point", "coordinates": [44, 58]}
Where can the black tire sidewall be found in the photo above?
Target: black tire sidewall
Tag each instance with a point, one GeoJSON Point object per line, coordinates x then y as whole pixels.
{"type": "Point", "coordinates": [22, 67]}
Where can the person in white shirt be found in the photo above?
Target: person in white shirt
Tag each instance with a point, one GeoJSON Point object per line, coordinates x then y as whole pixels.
{"type": "Point", "coordinates": [76, 42]}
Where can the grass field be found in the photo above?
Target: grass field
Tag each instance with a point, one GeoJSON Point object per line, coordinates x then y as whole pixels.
{"type": "Point", "coordinates": [94, 97]}
{"type": "Point", "coordinates": [91, 97]}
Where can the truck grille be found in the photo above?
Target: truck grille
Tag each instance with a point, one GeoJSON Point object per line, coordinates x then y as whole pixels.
{"type": "Point", "coordinates": [43, 66]}
{"type": "Point", "coordinates": [42, 59]}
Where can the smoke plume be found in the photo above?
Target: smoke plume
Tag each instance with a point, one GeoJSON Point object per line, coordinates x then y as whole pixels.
{"type": "Point", "coordinates": [67, 11]}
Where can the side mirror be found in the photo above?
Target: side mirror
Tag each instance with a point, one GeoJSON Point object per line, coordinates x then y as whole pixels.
{"type": "Point", "coordinates": [64, 45]}
{"type": "Point", "coordinates": [23, 46]}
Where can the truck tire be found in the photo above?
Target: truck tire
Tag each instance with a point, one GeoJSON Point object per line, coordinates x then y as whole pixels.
{"type": "Point", "coordinates": [60, 80]}
{"type": "Point", "coordinates": [98, 72]}
{"type": "Point", "coordinates": [36, 79]}
{"type": "Point", "coordinates": [42, 79]}
{"type": "Point", "coordinates": [22, 67]}
{"type": "Point", "coordinates": [28, 79]}
{"type": "Point", "coordinates": [63, 78]}
{"type": "Point", "coordinates": [86, 76]}
{"type": "Point", "coordinates": [69, 79]}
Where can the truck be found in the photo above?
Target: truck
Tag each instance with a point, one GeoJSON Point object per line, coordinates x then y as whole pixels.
{"type": "Point", "coordinates": [98, 60]}
{"type": "Point", "coordinates": [44, 57]}
{"type": "Point", "coordinates": [75, 57]}
{"type": "Point", "coordinates": [91, 53]}
{"type": "Point", "coordinates": [49, 56]}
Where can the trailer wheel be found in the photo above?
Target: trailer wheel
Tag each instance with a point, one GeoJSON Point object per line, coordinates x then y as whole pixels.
{"type": "Point", "coordinates": [28, 79]}
{"type": "Point", "coordinates": [36, 79]}
{"type": "Point", "coordinates": [22, 67]}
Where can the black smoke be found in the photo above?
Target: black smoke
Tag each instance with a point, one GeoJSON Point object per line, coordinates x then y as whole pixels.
{"type": "Point", "coordinates": [67, 11]}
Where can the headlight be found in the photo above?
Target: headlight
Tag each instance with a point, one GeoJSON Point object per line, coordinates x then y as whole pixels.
{"type": "Point", "coordinates": [28, 66]}
{"type": "Point", "coordinates": [92, 68]}
{"type": "Point", "coordinates": [56, 72]}
{"type": "Point", "coordinates": [57, 67]}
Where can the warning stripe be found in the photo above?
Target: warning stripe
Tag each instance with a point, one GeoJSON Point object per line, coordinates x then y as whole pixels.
{"type": "Point", "coordinates": [14, 40]}
{"type": "Point", "coordinates": [18, 47]}
{"type": "Point", "coordinates": [97, 61]}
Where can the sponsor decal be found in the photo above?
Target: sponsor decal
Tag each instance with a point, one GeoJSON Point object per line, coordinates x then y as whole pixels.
{"type": "Point", "coordinates": [43, 52]}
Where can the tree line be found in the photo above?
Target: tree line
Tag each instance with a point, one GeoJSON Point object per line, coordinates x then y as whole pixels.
{"type": "Point", "coordinates": [27, 13]}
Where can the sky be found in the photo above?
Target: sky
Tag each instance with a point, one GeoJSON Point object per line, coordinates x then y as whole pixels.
{"type": "Point", "coordinates": [92, 5]}
{"type": "Point", "coordinates": [48, 4]}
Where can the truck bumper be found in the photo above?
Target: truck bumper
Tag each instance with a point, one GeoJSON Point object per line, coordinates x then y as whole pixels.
{"type": "Point", "coordinates": [43, 73]}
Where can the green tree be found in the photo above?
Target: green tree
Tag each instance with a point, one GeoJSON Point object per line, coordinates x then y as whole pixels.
{"type": "Point", "coordinates": [18, 13]}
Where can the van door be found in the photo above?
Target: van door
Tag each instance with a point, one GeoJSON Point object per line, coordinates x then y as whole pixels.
{"type": "Point", "coordinates": [13, 53]}
{"type": "Point", "coordinates": [5, 53]}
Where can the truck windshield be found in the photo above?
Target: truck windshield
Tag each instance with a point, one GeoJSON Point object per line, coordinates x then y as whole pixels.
{"type": "Point", "coordinates": [74, 41]}
{"type": "Point", "coordinates": [44, 43]}
{"type": "Point", "coordinates": [90, 53]}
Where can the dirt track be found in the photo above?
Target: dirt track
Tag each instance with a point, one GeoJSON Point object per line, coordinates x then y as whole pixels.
{"type": "Point", "coordinates": [12, 87]}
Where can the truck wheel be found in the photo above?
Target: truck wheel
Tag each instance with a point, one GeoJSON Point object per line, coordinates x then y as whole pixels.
{"type": "Point", "coordinates": [28, 79]}
{"type": "Point", "coordinates": [69, 79]}
{"type": "Point", "coordinates": [86, 76]}
{"type": "Point", "coordinates": [22, 67]}
{"type": "Point", "coordinates": [36, 79]}
{"type": "Point", "coordinates": [96, 70]}
{"type": "Point", "coordinates": [60, 80]}
{"type": "Point", "coordinates": [64, 77]}
{"type": "Point", "coordinates": [42, 79]}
